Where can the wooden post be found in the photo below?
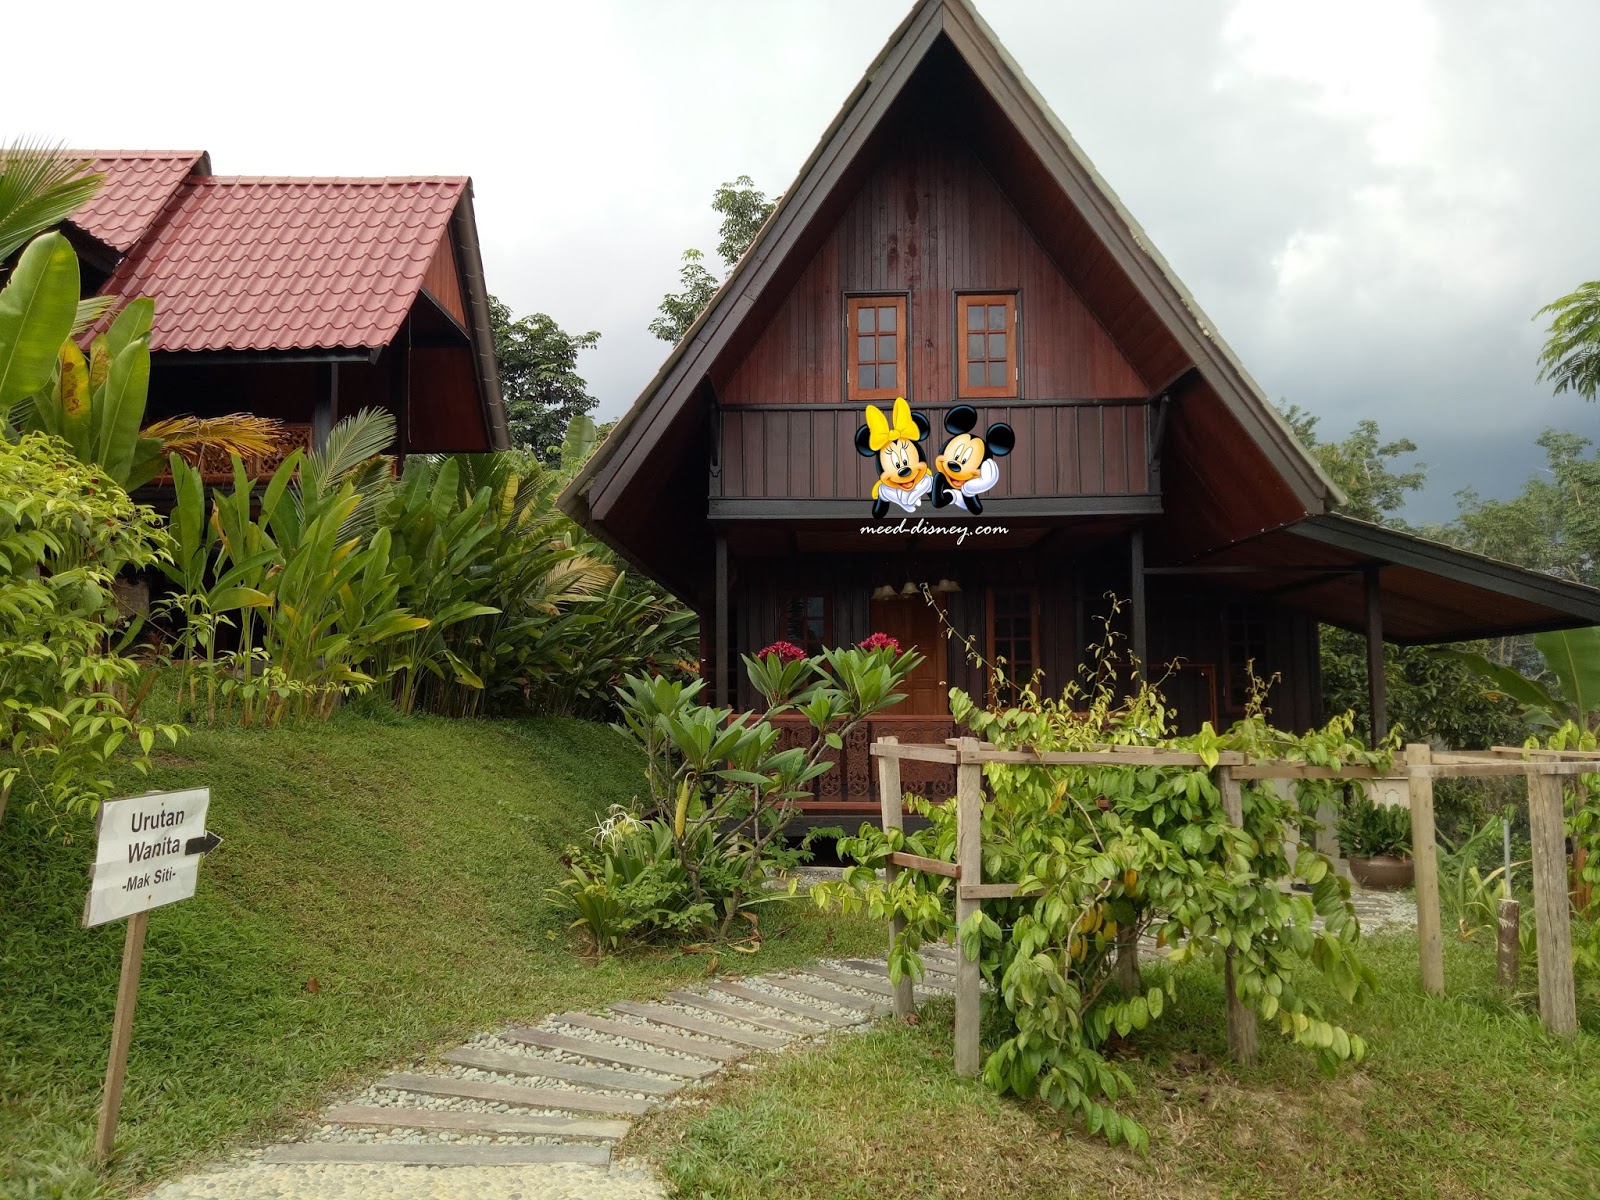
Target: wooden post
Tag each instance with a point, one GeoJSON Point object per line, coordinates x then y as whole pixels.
{"type": "Point", "coordinates": [719, 652]}
{"type": "Point", "coordinates": [1558, 1007]}
{"type": "Point", "coordinates": [1424, 853]}
{"type": "Point", "coordinates": [1241, 1017]}
{"type": "Point", "coordinates": [890, 800]}
{"type": "Point", "coordinates": [969, 858]}
{"type": "Point", "coordinates": [121, 1034]}
{"type": "Point", "coordinates": [1508, 945]}
{"type": "Point", "coordinates": [1141, 647]}
{"type": "Point", "coordinates": [1377, 693]}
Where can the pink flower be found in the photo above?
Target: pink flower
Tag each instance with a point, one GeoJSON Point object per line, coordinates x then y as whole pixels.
{"type": "Point", "coordinates": [786, 651]}
{"type": "Point", "coordinates": [880, 641]}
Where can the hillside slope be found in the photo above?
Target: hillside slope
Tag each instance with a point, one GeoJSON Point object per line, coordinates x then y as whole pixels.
{"type": "Point", "coordinates": [381, 888]}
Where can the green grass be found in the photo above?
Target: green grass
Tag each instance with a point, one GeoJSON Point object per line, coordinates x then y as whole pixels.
{"type": "Point", "coordinates": [400, 864]}
{"type": "Point", "coordinates": [1459, 1098]}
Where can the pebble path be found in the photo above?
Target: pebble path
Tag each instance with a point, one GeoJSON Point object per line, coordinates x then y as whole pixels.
{"type": "Point", "coordinates": [533, 1113]}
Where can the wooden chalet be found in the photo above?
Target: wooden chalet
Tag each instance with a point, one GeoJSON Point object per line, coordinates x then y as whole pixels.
{"type": "Point", "coordinates": [948, 242]}
{"type": "Point", "coordinates": [300, 299]}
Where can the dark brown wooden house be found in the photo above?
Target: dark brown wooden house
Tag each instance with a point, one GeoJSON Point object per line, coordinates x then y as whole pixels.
{"type": "Point", "coordinates": [301, 299]}
{"type": "Point", "coordinates": [948, 242]}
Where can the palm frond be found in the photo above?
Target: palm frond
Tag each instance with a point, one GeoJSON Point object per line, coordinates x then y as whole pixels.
{"type": "Point", "coordinates": [235, 434]}
{"type": "Point", "coordinates": [352, 445]}
{"type": "Point", "coordinates": [39, 188]}
{"type": "Point", "coordinates": [90, 311]}
{"type": "Point", "coordinates": [1571, 355]}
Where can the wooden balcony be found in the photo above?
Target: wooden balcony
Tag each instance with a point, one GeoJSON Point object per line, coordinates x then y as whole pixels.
{"type": "Point", "coordinates": [1064, 448]}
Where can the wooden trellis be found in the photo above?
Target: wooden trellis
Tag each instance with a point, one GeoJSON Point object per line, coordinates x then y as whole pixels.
{"type": "Point", "coordinates": [1419, 766]}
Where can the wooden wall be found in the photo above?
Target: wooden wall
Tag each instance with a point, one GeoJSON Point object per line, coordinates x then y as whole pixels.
{"type": "Point", "coordinates": [929, 222]}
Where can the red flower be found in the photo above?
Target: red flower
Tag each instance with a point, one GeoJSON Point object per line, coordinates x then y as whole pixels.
{"type": "Point", "coordinates": [880, 641]}
{"type": "Point", "coordinates": [786, 651]}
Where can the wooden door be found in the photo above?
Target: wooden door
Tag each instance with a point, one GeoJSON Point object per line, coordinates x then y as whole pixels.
{"type": "Point", "coordinates": [913, 622]}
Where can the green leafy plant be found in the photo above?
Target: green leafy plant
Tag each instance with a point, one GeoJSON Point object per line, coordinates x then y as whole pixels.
{"type": "Point", "coordinates": [1111, 853]}
{"type": "Point", "coordinates": [720, 785]}
{"type": "Point", "coordinates": [66, 688]}
{"type": "Point", "coordinates": [1368, 830]}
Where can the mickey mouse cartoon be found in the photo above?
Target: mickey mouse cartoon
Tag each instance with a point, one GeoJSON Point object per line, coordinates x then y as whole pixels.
{"type": "Point", "coordinates": [967, 468]}
{"type": "Point", "coordinates": [905, 477]}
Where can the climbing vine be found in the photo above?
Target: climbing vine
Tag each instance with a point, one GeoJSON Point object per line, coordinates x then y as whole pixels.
{"type": "Point", "coordinates": [1115, 853]}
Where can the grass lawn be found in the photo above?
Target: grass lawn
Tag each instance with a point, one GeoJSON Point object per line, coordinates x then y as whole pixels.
{"type": "Point", "coordinates": [401, 865]}
{"type": "Point", "coordinates": [1460, 1098]}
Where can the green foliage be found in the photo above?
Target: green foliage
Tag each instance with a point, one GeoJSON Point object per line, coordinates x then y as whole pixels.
{"type": "Point", "coordinates": [743, 209]}
{"type": "Point", "coordinates": [721, 793]}
{"type": "Point", "coordinates": [1364, 467]}
{"type": "Point", "coordinates": [680, 309]}
{"type": "Point", "coordinates": [457, 588]}
{"type": "Point", "coordinates": [66, 531]}
{"type": "Point", "coordinates": [1552, 525]}
{"type": "Point", "coordinates": [39, 188]}
{"type": "Point", "coordinates": [1114, 853]}
{"type": "Point", "coordinates": [97, 405]}
{"type": "Point", "coordinates": [1571, 355]}
{"type": "Point", "coordinates": [1368, 830]}
{"type": "Point", "coordinates": [539, 378]}
{"type": "Point", "coordinates": [37, 307]}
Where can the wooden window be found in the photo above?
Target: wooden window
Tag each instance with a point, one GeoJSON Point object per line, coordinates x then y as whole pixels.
{"type": "Point", "coordinates": [1245, 649]}
{"type": "Point", "coordinates": [876, 332]}
{"type": "Point", "coordinates": [1013, 642]}
{"type": "Point", "coordinates": [808, 622]}
{"type": "Point", "coordinates": [986, 329]}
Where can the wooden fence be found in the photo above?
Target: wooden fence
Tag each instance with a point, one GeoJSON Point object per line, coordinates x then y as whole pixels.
{"type": "Point", "coordinates": [1419, 766]}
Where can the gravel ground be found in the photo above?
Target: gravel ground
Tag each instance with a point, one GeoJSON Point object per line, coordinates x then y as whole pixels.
{"type": "Point", "coordinates": [556, 1181]}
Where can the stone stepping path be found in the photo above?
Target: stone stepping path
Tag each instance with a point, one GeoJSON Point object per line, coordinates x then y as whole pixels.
{"type": "Point", "coordinates": [544, 1105]}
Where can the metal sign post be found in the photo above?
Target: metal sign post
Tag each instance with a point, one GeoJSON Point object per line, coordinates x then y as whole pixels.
{"type": "Point", "coordinates": [147, 854]}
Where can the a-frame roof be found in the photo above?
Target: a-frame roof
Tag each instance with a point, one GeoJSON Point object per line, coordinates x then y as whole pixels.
{"type": "Point", "coordinates": [1143, 304]}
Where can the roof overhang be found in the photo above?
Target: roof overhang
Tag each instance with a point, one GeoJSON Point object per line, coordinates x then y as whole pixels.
{"type": "Point", "coordinates": [1429, 592]}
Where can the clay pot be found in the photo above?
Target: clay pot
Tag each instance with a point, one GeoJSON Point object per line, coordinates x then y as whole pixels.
{"type": "Point", "coordinates": [1383, 872]}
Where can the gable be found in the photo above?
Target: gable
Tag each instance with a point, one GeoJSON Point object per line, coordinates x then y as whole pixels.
{"type": "Point", "coordinates": [929, 222]}
{"type": "Point", "coordinates": [943, 70]}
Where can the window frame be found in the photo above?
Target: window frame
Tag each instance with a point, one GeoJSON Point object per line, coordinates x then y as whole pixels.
{"type": "Point", "coordinates": [853, 303]}
{"type": "Point", "coordinates": [1250, 614]}
{"type": "Point", "coordinates": [1012, 389]}
{"type": "Point", "coordinates": [787, 601]}
{"type": "Point", "coordinates": [991, 689]}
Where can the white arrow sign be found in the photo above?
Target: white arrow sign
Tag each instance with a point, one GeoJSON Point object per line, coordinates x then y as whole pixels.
{"type": "Point", "coordinates": [144, 859]}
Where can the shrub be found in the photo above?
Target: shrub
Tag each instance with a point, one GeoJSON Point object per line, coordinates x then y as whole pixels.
{"type": "Point", "coordinates": [720, 794]}
{"type": "Point", "coordinates": [1368, 830]}
{"type": "Point", "coordinates": [66, 531]}
{"type": "Point", "coordinates": [1115, 853]}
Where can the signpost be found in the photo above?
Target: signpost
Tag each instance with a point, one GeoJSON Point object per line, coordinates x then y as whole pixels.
{"type": "Point", "coordinates": [148, 854]}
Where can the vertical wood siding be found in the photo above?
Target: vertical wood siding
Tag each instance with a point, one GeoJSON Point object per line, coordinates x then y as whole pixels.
{"type": "Point", "coordinates": [930, 222]}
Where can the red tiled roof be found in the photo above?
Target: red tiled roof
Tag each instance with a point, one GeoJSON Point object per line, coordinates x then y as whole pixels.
{"type": "Point", "coordinates": [287, 264]}
{"type": "Point", "coordinates": [138, 185]}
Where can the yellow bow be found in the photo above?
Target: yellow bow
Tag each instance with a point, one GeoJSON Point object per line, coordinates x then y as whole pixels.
{"type": "Point", "coordinates": [880, 433]}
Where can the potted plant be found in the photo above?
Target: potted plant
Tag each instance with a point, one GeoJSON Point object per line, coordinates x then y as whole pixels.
{"type": "Point", "coordinates": [1377, 842]}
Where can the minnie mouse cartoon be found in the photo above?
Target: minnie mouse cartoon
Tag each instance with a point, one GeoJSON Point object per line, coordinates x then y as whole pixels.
{"type": "Point", "coordinates": [967, 468]}
{"type": "Point", "coordinates": [904, 475]}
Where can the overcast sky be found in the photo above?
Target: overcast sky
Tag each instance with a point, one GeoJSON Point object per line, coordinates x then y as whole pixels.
{"type": "Point", "coordinates": [1369, 197]}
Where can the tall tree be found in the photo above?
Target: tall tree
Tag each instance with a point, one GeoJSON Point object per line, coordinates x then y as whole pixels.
{"type": "Point", "coordinates": [743, 208]}
{"type": "Point", "coordinates": [1571, 355]}
{"type": "Point", "coordinates": [539, 378]}
{"type": "Point", "coordinates": [1364, 466]}
{"type": "Point", "coordinates": [1552, 525]}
